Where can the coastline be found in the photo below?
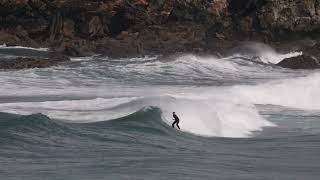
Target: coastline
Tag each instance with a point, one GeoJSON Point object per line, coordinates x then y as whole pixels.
{"type": "Point", "coordinates": [137, 28]}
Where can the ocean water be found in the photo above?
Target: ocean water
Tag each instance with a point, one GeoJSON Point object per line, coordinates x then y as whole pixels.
{"type": "Point", "coordinates": [99, 118]}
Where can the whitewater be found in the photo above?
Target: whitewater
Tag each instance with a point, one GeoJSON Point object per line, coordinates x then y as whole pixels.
{"type": "Point", "coordinates": [242, 117]}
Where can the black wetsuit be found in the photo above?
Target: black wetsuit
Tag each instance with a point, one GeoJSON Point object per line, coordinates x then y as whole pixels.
{"type": "Point", "coordinates": [176, 121]}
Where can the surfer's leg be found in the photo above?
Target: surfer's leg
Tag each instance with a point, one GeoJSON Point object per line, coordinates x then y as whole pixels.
{"type": "Point", "coordinates": [173, 124]}
{"type": "Point", "coordinates": [177, 125]}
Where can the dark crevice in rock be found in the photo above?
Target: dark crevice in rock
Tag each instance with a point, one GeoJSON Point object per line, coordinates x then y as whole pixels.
{"type": "Point", "coordinates": [241, 8]}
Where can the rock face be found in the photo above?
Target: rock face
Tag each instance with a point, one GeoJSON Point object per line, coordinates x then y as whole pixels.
{"type": "Point", "coordinates": [290, 18]}
{"type": "Point", "coordinates": [300, 62]}
{"type": "Point", "coordinates": [309, 60]}
{"type": "Point", "coordinates": [134, 27]}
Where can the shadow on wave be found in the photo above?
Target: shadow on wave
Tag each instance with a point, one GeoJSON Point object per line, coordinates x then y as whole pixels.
{"type": "Point", "coordinates": [33, 122]}
{"type": "Point", "coordinates": [35, 129]}
{"type": "Point", "coordinates": [40, 129]}
{"type": "Point", "coordinates": [147, 120]}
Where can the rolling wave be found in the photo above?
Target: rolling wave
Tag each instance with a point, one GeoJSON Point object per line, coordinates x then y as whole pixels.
{"type": "Point", "coordinates": [208, 116]}
{"type": "Point", "coordinates": [38, 128]}
{"type": "Point", "coordinates": [212, 96]}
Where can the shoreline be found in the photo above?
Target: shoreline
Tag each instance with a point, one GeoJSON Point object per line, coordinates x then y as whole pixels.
{"type": "Point", "coordinates": [142, 27]}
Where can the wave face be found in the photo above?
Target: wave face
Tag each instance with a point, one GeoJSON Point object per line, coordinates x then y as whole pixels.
{"type": "Point", "coordinates": [207, 116]}
{"type": "Point", "coordinates": [242, 117]}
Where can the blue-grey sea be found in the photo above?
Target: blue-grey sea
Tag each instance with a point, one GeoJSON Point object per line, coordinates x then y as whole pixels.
{"type": "Point", "coordinates": [100, 118]}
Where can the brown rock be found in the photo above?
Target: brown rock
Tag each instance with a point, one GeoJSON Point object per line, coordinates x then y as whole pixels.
{"type": "Point", "coordinates": [128, 47]}
{"type": "Point", "coordinates": [220, 36]}
{"type": "Point", "coordinates": [246, 24]}
{"type": "Point", "coordinates": [68, 28]}
{"type": "Point", "coordinates": [22, 33]}
{"type": "Point", "coordinates": [290, 16]}
{"type": "Point", "coordinates": [71, 51]}
{"type": "Point", "coordinates": [122, 35]}
{"type": "Point", "coordinates": [95, 26]}
{"type": "Point", "coordinates": [219, 8]}
{"type": "Point", "coordinates": [56, 26]}
{"type": "Point", "coordinates": [6, 38]}
{"type": "Point", "coordinates": [300, 62]}
{"type": "Point", "coordinates": [141, 2]}
{"type": "Point", "coordinates": [27, 63]}
{"type": "Point", "coordinates": [21, 2]}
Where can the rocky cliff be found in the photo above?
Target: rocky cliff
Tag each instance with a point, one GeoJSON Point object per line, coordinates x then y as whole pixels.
{"type": "Point", "coordinates": [134, 27]}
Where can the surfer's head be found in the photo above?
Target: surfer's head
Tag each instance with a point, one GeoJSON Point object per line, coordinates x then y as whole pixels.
{"type": "Point", "coordinates": [174, 113]}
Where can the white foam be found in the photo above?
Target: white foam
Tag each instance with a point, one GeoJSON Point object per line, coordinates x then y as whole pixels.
{"type": "Point", "coordinates": [271, 57]}
{"type": "Point", "coordinates": [206, 61]}
{"type": "Point", "coordinates": [84, 58]}
{"type": "Point", "coordinates": [186, 67]}
{"type": "Point", "coordinates": [301, 93]}
{"type": "Point", "coordinates": [268, 55]}
{"type": "Point", "coordinates": [4, 46]}
{"type": "Point", "coordinates": [216, 117]}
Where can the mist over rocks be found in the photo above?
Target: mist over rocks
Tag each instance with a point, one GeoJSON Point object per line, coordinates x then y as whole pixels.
{"type": "Point", "coordinates": [124, 28]}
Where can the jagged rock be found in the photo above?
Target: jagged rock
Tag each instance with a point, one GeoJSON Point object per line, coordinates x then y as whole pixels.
{"type": "Point", "coordinates": [36, 4]}
{"type": "Point", "coordinates": [243, 8]}
{"type": "Point", "coordinates": [120, 48]}
{"type": "Point", "coordinates": [219, 8]}
{"type": "Point", "coordinates": [71, 51]}
{"type": "Point", "coordinates": [127, 17]}
{"type": "Point", "coordinates": [68, 28]}
{"type": "Point", "coordinates": [9, 39]}
{"type": "Point", "coordinates": [300, 62]}
{"type": "Point", "coordinates": [56, 26]}
{"type": "Point", "coordinates": [286, 17]}
{"type": "Point", "coordinates": [57, 57]}
{"type": "Point", "coordinates": [246, 24]}
{"type": "Point", "coordinates": [95, 26]}
{"type": "Point", "coordinates": [313, 50]}
{"type": "Point", "coordinates": [22, 33]}
{"type": "Point", "coordinates": [10, 6]}
{"type": "Point", "coordinates": [27, 62]}
{"type": "Point", "coordinates": [309, 60]}
{"type": "Point", "coordinates": [220, 36]}
{"type": "Point", "coordinates": [172, 38]}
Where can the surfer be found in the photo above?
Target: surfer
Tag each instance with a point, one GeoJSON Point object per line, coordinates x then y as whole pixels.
{"type": "Point", "coordinates": [176, 120]}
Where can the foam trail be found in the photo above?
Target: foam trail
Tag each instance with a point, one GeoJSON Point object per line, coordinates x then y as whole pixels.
{"type": "Point", "coordinates": [4, 46]}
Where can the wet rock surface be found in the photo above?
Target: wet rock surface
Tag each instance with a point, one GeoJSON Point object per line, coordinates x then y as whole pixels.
{"type": "Point", "coordinates": [300, 62]}
{"type": "Point", "coordinates": [310, 59]}
{"type": "Point", "coordinates": [52, 59]}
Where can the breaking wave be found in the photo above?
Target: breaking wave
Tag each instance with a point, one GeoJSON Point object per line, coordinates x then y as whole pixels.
{"type": "Point", "coordinates": [212, 96]}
